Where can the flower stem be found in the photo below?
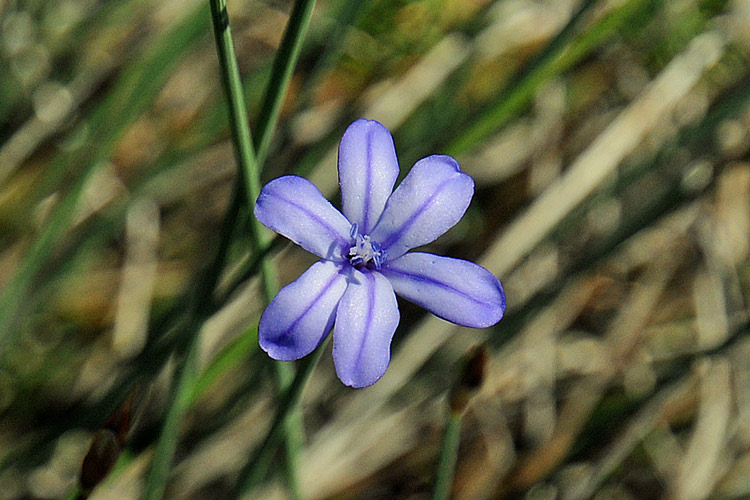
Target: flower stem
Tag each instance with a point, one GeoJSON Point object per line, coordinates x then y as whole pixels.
{"type": "Point", "coordinates": [255, 470]}
{"type": "Point", "coordinates": [248, 186]}
{"type": "Point", "coordinates": [281, 73]}
{"type": "Point", "coordinates": [178, 407]}
{"type": "Point", "coordinates": [468, 381]}
{"type": "Point", "coordinates": [448, 456]}
{"type": "Point", "coordinates": [246, 190]}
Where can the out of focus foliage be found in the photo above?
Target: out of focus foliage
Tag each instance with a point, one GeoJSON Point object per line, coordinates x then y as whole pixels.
{"type": "Point", "coordinates": [609, 142]}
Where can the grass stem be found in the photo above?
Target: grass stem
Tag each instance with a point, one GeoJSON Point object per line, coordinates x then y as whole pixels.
{"type": "Point", "coordinates": [281, 74]}
{"type": "Point", "coordinates": [246, 190]}
{"type": "Point", "coordinates": [448, 457]}
{"type": "Point", "coordinates": [256, 469]}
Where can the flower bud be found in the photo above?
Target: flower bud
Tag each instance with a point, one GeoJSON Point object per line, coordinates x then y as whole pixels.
{"type": "Point", "coordinates": [470, 378]}
{"type": "Point", "coordinates": [101, 457]}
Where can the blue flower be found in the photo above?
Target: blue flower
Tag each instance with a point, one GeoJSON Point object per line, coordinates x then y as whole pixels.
{"type": "Point", "coordinates": [364, 256]}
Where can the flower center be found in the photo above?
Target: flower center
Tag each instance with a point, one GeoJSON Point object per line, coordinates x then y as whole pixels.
{"type": "Point", "coordinates": [364, 252]}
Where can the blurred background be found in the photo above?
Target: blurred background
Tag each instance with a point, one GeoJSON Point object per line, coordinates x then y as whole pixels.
{"type": "Point", "coordinates": [609, 143]}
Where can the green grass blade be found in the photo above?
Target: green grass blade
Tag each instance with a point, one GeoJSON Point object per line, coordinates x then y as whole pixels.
{"type": "Point", "coordinates": [448, 457]}
{"type": "Point", "coordinates": [132, 94]}
{"type": "Point", "coordinates": [278, 84]}
{"type": "Point", "coordinates": [249, 186]}
{"type": "Point", "coordinates": [559, 56]}
{"type": "Point", "coordinates": [239, 349]}
{"type": "Point", "coordinates": [256, 469]}
{"type": "Point", "coordinates": [281, 74]}
{"type": "Point", "coordinates": [178, 407]}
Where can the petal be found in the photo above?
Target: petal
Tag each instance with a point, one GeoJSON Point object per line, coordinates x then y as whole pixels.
{"type": "Point", "coordinates": [428, 202]}
{"type": "Point", "coordinates": [302, 313]}
{"type": "Point", "coordinates": [368, 169]}
{"type": "Point", "coordinates": [294, 207]}
{"type": "Point", "coordinates": [366, 318]}
{"type": "Point", "coordinates": [453, 289]}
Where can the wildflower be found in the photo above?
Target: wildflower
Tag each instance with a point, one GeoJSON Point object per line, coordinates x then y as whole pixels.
{"type": "Point", "coordinates": [364, 256]}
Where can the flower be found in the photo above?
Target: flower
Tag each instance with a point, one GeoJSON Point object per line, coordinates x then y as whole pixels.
{"type": "Point", "coordinates": [364, 257]}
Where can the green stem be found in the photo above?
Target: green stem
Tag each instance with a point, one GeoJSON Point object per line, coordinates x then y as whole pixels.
{"type": "Point", "coordinates": [294, 437]}
{"type": "Point", "coordinates": [247, 189]}
{"type": "Point", "coordinates": [179, 405]}
{"type": "Point", "coordinates": [241, 138]}
{"type": "Point", "coordinates": [281, 74]}
{"type": "Point", "coordinates": [256, 469]}
{"type": "Point", "coordinates": [448, 457]}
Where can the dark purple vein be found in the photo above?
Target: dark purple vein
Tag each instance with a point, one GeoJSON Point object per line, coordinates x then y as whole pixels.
{"type": "Point", "coordinates": [370, 310]}
{"type": "Point", "coordinates": [331, 230]}
{"type": "Point", "coordinates": [317, 299]}
{"type": "Point", "coordinates": [397, 235]}
{"type": "Point", "coordinates": [432, 281]}
{"type": "Point", "coordinates": [368, 179]}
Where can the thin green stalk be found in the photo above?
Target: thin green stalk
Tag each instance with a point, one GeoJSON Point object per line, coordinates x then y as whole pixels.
{"type": "Point", "coordinates": [294, 437]}
{"type": "Point", "coordinates": [448, 457]}
{"type": "Point", "coordinates": [246, 269]}
{"type": "Point", "coordinates": [281, 74]}
{"type": "Point", "coordinates": [189, 372]}
{"type": "Point", "coordinates": [256, 469]}
{"type": "Point", "coordinates": [248, 188]}
{"type": "Point", "coordinates": [241, 138]}
{"type": "Point", "coordinates": [178, 407]}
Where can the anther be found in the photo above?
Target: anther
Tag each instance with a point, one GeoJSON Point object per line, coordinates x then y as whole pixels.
{"type": "Point", "coordinates": [364, 252]}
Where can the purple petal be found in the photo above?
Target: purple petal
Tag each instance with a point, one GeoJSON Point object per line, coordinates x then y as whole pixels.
{"type": "Point", "coordinates": [453, 289]}
{"type": "Point", "coordinates": [428, 202]}
{"type": "Point", "coordinates": [366, 318]}
{"type": "Point", "coordinates": [302, 313]}
{"type": "Point", "coordinates": [294, 207]}
{"type": "Point", "coordinates": [368, 169]}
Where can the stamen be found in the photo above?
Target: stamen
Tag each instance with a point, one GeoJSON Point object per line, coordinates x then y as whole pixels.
{"type": "Point", "coordinates": [364, 252]}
